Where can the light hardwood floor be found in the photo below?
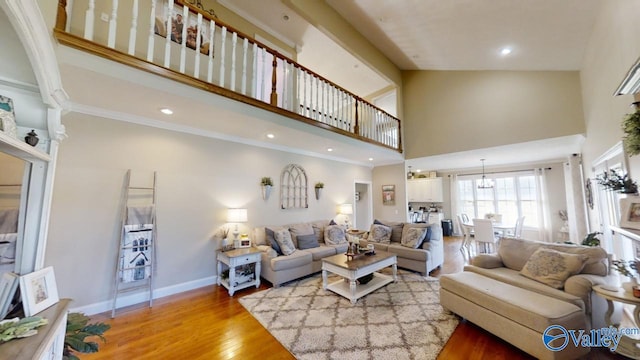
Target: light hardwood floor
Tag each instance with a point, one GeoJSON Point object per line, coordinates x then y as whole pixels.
{"type": "Point", "coordinates": [208, 324]}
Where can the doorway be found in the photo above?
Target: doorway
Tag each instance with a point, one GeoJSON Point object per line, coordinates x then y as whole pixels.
{"type": "Point", "coordinates": [363, 205]}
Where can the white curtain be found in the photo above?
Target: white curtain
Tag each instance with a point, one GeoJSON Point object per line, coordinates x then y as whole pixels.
{"type": "Point", "coordinates": [453, 190]}
{"type": "Point", "coordinates": [544, 218]}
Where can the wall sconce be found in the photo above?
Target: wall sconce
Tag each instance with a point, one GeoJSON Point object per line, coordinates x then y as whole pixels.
{"type": "Point", "coordinates": [236, 216]}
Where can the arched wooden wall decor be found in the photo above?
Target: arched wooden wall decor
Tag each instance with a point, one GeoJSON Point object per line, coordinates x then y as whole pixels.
{"type": "Point", "coordinates": [293, 187]}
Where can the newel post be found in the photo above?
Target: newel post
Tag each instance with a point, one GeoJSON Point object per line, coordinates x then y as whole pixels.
{"type": "Point", "coordinates": [61, 16]}
{"type": "Point", "coordinates": [356, 128]}
{"type": "Point", "coordinates": [274, 94]}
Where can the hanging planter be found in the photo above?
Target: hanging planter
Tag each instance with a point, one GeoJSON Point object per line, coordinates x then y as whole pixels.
{"type": "Point", "coordinates": [631, 128]}
{"type": "Point", "coordinates": [319, 186]}
{"type": "Point", "coordinates": [267, 184]}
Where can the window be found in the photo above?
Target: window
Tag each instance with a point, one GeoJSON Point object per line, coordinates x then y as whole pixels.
{"type": "Point", "coordinates": [512, 196]}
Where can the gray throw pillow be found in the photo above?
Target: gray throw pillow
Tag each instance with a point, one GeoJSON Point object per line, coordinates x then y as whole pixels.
{"type": "Point", "coordinates": [271, 240]}
{"type": "Point", "coordinates": [553, 267]}
{"type": "Point", "coordinates": [380, 234]}
{"type": "Point", "coordinates": [334, 235]}
{"type": "Point", "coordinates": [283, 238]}
{"type": "Point", "coordinates": [413, 237]}
{"type": "Point", "coordinates": [308, 241]}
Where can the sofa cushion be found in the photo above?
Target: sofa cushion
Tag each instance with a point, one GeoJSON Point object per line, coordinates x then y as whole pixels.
{"type": "Point", "coordinates": [516, 252]}
{"type": "Point", "coordinates": [334, 235]}
{"type": "Point", "coordinates": [407, 253]}
{"type": "Point", "coordinates": [271, 240]}
{"type": "Point", "coordinates": [396, 229]}
{"type": "Point", "coordinates": [300, 229]}
{"type": "Point", "coordinates": [307, 241]}
{"type": "Point", "coordinates": [514, 278]}
{"type": "Point", "coordinates": [283, 238]}
{"type": "Point", "coordinates": [552, 267]}
{"type": "Point", "coordinates": [258, 236]}
{"type": "Point", "coordinates": [318, 229]}
{"type": "Point", "coordinates": [320, 252]}
{"type": "Point", "coordinates": [380, 234]}
{"type": "Point", "coordinates": [297, 259]}
{"type": "Point", "coordinates": [412, 237]}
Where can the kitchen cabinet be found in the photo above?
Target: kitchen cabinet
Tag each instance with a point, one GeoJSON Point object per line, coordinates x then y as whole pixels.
{"type": "Point", "coordinates": [425, 190]}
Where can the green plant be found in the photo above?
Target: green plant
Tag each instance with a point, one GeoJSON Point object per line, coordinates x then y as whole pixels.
{"type": "Point", "coordinates": [631, 128]}
{"type": "Point", "coordinates": [78, 329]}
{"type": "Point", "coordinates": [319, 185]}
{"type": "Point", "coordinates": [625, 268]}
{"type": "Point", "coordinates": [20, 328]}
{"type": "Point", "coordinates": [611, 180]}
{"type": "Point", "coordinates": [266, 181]}
{"type": "Point", "coordinates": [592, 239]}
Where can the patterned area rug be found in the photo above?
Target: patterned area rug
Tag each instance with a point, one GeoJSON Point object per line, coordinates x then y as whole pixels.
{"type": "Point", "coordinates": [402, 320]}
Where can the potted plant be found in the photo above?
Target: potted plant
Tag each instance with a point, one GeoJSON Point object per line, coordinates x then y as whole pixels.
{"type": "Point", "coordinates": [78, 329]}
{"type": "Point", "coordinates": [592, 239]}
{"type": "Point", "coordinates": [266, 183]}
{"type": "Point", "coordinates": [631, 128]}
{"type": "Point", "coordinates": [318, 187]}
{"type": "Point", "coordinates": [627, 269]}
{"type": "Point", "coordinates": [613, 181]}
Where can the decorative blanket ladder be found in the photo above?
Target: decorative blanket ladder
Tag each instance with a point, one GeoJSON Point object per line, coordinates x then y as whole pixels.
{"type": "Point", "coordinates": [136, 262]}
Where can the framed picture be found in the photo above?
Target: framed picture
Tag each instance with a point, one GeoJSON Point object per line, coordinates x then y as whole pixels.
{"type": "Point", "coordinates": [8, 286]}
{"type": "Point", "coordinates": [630, 212]}
{"type": "Point", "coordinates": [38, 290]}
{"type": "Point", "coordinates": [7, 117]}
{"type": "Point", "coordinates": [388, 194]}
{"type": "Point", "coordinates": [178, 23]}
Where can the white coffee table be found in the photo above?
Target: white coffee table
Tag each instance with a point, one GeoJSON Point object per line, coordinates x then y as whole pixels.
{"type": "Point", "coordinates": [355, 268]}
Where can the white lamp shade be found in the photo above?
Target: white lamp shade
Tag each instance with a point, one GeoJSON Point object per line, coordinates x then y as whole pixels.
{"type": "Point", "coordinates": [346, 209]}
{"type": "Point", "coordinates": [236, 215]}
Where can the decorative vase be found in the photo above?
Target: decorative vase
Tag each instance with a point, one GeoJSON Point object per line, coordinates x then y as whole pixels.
{"type": "Point", "coordinates": [32, 138]}
{"type": "Point", "coordinates": [318, 193]}
{"type": "Point", "coordinates": [266, 192]}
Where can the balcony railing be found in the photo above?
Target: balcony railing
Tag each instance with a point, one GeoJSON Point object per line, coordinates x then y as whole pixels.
{"type": "Point", "coordinates": [162, 37]}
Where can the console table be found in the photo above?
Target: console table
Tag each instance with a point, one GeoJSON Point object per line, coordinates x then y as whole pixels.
{"type": "Point", "coordinates": [234, 259]}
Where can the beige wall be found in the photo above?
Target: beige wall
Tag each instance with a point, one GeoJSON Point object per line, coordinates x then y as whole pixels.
{"type": "Point", "coordinates": [198, 179]}
{"type": "Point", "coordinates": [390, 175]}
{"type": "Point", "coordinates": [450, 111]}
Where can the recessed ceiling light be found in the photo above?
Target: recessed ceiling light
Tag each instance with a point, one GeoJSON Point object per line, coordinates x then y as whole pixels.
{"type": "Point", "coordinates": [166, 111]}
{"type": "Point", "coordinates": [285, 17]}
{"type": "Point", "coordinates": [505, 51]}
{"type": "Point", "coordinates": [329, 149]}
{"type": "Point", "coordinates": [270, 136]}
{"type": "Point", "coordinates": [370, 159]}
{"type": "Point", "coordinates": [418, 170]}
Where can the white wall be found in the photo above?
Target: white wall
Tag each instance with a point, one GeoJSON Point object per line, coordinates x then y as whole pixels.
{"type": "Point", "coordinates": [198, 179]}
{"type": "Point", "coordinates": [390, 175]}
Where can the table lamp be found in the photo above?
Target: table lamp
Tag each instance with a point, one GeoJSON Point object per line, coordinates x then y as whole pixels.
{"type": "Point", "coordinates": [346, 210]}
{"type": "Point", "coordinates": [236, 216]}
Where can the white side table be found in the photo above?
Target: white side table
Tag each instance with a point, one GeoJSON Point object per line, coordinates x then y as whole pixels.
{"type": "Point", "coordinates": [628, 346]}
{"type": "Point", "coordinates": [235, 259]}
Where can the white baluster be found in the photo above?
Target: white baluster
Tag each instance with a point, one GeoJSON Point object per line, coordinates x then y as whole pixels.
{"type": "Point", "coordinates": [152, 21]}
{"type": "Point", "coordinates": [134, 27]}
{"type": "Point", "coordinates": [324, 104]}
{"type": "Point", "coordinates": [305, 101]}
{"type": "Point", "coordinates": [234, 41]}
{"type": "Point", "coordinates": [183, 47]}
{"type": "Point", "coordinates": [222, 55]}
{"type": "Point", "coordinates": [254, 70]}
{"type": "Point", "coordinates": [196, 65]}
{"type": "Point", "coordinates": [245, 44]}
{"type": "Point", "coordinates": [167, 45]}
{"type": "Point", "coordinates": [212, 48]}
{"type": "Point", "coordinates": [265, 64]}
{"type": "Point", "coordinates": [111, 41]}
{"type": "Point", "coordinates": [89, 19]}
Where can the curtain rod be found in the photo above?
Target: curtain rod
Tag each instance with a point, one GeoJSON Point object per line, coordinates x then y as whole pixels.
{"type": "Point", "coordinates": [502, 172]}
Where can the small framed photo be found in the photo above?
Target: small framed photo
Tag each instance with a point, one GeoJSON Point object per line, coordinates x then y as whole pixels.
{"type": "Point", "coordinates": [38, 290]}
{"type": "Point", "coordinates": [388, 194]}
{"type": "Point", "coordinates": [8, 286]}
{"type": "Point", "coordinates": [7, 117]}
{"type": "Point", "coordinates": [630, 212]}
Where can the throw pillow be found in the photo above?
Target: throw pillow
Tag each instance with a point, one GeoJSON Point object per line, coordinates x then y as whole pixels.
{"type": "Point", "coordinates": [271, 240]}
{"type": "Point", "coordinates": [300, 229]}
{"type": "Point", "coordinates": [413, 237]}
{"type": "Point", "coordinates": [552, 267]}
{"type": "Point", "coordinates": [283, 238]}
{"type": "Point", "coordinates": [334, 235]}
{"type": "Point", "coordinates": [308, 241]}
{"type": "Point", "coordinates": [396, 229]}
{"type": "Point", "coordinates": [380, 234]}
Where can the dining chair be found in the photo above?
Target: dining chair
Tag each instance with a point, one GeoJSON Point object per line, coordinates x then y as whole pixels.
{"type": "Point", "coordinates": [465, 218]}
{"type": "Point", "coordinates": [517, 232]}
{"type": "Point", "coordinates": [485, 235]}
{"type": "Point", "coordinates": [465, 247]}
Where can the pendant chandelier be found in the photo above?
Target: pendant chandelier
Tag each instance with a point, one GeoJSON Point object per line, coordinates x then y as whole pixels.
{"type": "Point", "coordinates": [485, 184]}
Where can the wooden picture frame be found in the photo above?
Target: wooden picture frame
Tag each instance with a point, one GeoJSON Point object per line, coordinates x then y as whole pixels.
{"type": "Point", "coordinates": [388, 194]}
{"type": "Point", "coordinates": [8, 286]}
{"type": "Point", "coordinates": [38, 290]}
{"type": "Point", "coordinates": [630, 212]}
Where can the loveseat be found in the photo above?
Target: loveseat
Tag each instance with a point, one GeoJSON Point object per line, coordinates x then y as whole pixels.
{"type": "Point", "coordinates": [313, 241]}
{"type": "Point", "coordinates": [528, 286]}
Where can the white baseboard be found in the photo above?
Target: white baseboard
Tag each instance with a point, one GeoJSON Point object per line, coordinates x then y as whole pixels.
{"type": "Point", "coordinates": [143, 296]}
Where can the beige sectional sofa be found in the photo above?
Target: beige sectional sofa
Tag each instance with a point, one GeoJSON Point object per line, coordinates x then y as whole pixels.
{"type": "Point", "coordinates": [528, 286]}
{"type": "Point", "coordinates": [279, 269]}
